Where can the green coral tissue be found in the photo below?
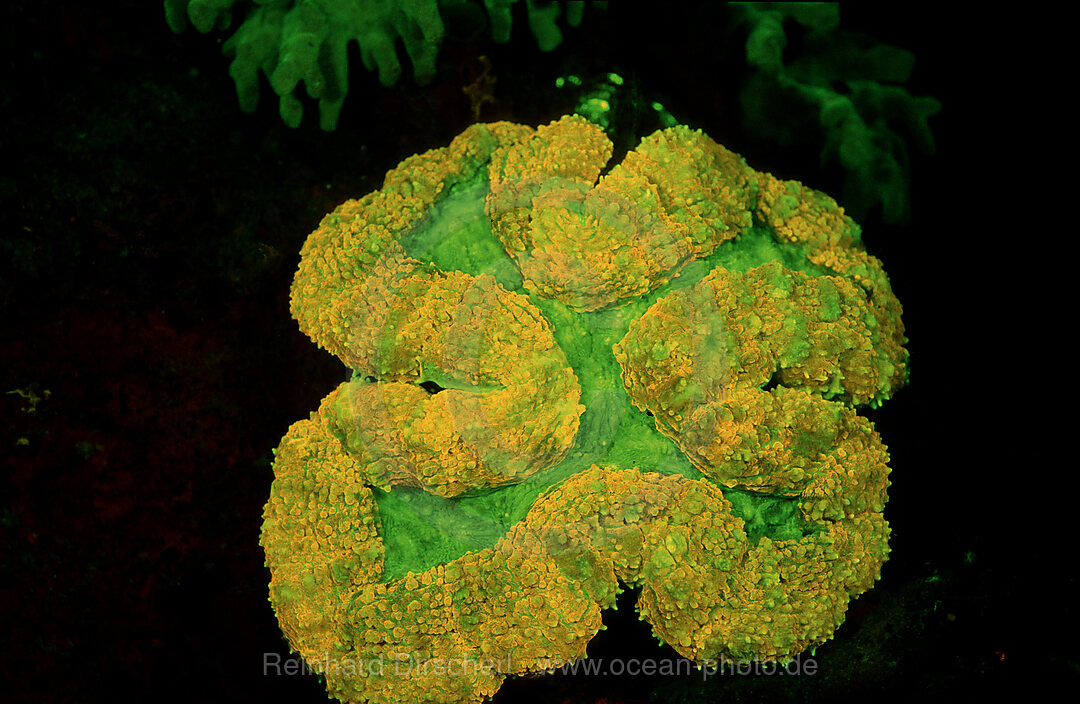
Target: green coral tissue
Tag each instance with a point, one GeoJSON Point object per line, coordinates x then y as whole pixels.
{"type": "Point", "coordinates": [847, 83]}
{"type": "Point", "coordinates": [568, 374]}
{"type": "Point", "coordinates": [294, 42]}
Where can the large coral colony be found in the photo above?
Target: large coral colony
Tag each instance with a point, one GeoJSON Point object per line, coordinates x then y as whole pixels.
{"type": "Point", "coordinates": [564, 379]}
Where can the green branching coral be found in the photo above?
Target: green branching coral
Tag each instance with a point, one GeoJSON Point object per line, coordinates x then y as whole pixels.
{"type": "Point", "coordinates": [306, 41]}
{"type": "Point", "coordinates": [564, 379]}
{"type": "Point", "coordinates": [848, 84]}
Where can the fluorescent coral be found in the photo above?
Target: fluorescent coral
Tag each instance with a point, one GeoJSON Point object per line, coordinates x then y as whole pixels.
{"type": "Point", "coordinates": [850, 85]}
{"type": "Point", "coordinates": [564, 380]}
{"type": "Point", "coordinates": [306, 41]}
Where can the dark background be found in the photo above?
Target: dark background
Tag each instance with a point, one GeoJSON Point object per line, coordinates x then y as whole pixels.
{"type": "Point", "coordinates": [149, 363]}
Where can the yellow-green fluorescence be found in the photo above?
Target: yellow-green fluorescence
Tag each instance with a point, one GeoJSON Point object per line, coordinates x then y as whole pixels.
{"type": "Point", "coordinates": [569, 374]}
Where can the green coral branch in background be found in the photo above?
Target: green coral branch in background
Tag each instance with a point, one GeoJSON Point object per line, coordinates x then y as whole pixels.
{"type": "Point", "coordinates": [306, 41]}
{"type": "Point", "coordinates": [851, 86]}
{"type": "Point", "coordinates": [808, 78]}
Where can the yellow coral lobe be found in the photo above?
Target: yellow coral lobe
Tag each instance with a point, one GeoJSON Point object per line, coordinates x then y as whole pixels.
{"type": "Point", "coordinates": [592, 242]}
{"type": "Point", "coordinates": [514, 408]}
{"type": "Point", "coordinates": [733, 330]}
{"type": "Point", "coordinates": [313, 571]}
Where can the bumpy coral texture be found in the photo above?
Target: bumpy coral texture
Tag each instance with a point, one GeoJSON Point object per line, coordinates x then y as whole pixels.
{"type": "Point", "coordinates": [306, 41]}
{"type": "Point", "coordinates": [754, 375]}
